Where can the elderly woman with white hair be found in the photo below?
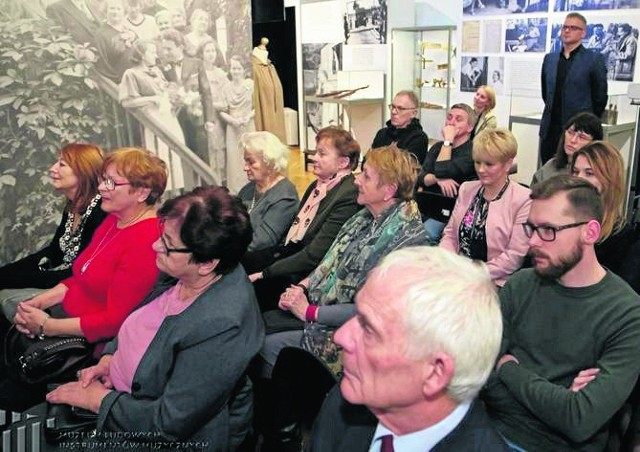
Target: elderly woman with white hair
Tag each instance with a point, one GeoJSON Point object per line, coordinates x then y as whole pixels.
{"type": "Point", "coordinates": [271, 198]}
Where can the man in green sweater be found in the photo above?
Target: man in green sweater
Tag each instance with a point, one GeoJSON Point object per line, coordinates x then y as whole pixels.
{"type": "Point", "coordinates": [569, 354]}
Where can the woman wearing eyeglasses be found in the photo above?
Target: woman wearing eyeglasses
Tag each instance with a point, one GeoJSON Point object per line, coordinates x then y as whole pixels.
{"type": "Point", "coordinates": [403, 128]}
{"type": "Point", "coordinates": [580, 130]}
{"type": "Point", "coordinates": [111, 275]}
{"type": "Point", "coordinates": [178, 366]}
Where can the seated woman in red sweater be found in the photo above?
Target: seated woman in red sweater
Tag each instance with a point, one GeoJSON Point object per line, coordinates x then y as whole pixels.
{"type": "Point", "coordinates": [112, 275]}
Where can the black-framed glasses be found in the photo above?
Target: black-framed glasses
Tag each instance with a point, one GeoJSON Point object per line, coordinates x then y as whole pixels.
{"type": "Point", "coordinates": [168, 250]}
{"type": "Point", "coordinates": [110, 184]}
{"type": "Point", "coordinates": [571, 28]}
{"type": "Point", "coordinates": [548, 233]}
{"type": "Point", "coordinates": [399, 108]}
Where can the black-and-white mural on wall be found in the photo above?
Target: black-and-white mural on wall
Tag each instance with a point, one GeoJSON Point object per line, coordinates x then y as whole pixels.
{"type": "Point", "coordinates": [586, 5]}
{"type": "Point", "coordinates": [616, 41]}
{"type": "Point", "coordinates": [525, 35]}
{"type": "Point", "coordinates": [365, 22]}
{"type": "Point", "coordinates": [152, 73]}
{"type": "Point", "coordinates": [500, 7]}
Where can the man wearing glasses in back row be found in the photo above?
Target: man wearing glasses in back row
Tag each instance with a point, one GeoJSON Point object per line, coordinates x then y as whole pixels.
{"type": "Point", "coordinates": [404, 127]}
{"type": "Point", "coordinates": [569, 354]}
{"type": "Point", "coordinates": [573, 80]}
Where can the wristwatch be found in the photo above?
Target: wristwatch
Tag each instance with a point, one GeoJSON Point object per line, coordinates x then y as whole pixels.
{"type": "Point", "coordinates": [446, 143]}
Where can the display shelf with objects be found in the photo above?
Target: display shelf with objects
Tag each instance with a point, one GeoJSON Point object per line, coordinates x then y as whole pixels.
{"type": "Point", "coordinates": [357, 105]}
{"type": "Point", "coordinates": [431, 52]}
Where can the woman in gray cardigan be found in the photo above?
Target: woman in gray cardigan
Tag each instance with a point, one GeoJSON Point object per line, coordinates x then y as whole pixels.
{"type": "Point", "coordinates": [271, 198]}
{"type": "Point", "coordinates": [177, 370]}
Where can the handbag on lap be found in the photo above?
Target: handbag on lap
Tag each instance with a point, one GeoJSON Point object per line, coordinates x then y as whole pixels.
{"type": "Point", "coordinates": [52, 359]}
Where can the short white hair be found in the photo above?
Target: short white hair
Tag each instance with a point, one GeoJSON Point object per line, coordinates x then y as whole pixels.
{"type": "Point", "coordinates": [274, 154]}
{"type": "Point", "coordinates": [451, 306]}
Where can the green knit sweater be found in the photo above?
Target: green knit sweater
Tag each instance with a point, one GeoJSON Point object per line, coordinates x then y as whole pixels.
{"type": "Point", "coordinates": [555, 332]}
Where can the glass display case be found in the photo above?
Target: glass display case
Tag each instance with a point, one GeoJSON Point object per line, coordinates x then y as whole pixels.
{"type": "Point", "coordinates": [430, 52]}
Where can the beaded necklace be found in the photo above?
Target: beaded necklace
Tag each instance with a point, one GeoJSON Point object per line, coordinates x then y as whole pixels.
{"type": "Point", "coordinates": [70, 240]}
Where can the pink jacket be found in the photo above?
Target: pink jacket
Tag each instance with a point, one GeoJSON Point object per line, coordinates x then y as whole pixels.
{"type": "Point", "coordinates": [506, 243]}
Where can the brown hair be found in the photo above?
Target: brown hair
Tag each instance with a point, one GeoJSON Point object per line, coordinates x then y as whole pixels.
{"type": "Point", "coordinates": [608, 167]}
{"type": "Point", "coordinates": [471, 114]}
{"type": "Point", "coordinates": [343, 141]}
{"type": "Point", "coordinates": [85, 160]}
{"type": "Point", "coordinates": [584, 199]}
{"type": "Point", "coordinates": [395, 166]}
{"type": "Point", "coordinates": [141, 168]}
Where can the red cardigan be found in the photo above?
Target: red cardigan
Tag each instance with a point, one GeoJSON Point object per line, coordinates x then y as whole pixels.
{"type": "Point", "coordinates": [122, 271]}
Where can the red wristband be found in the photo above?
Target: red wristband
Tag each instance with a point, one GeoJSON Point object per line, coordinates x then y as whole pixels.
{"type": "Point", "coordinates": [311, 315]}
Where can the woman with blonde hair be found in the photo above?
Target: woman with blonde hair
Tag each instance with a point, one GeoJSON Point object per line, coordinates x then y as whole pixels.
{"type": "Point", "coordinates": [484, 101]}
{"type": "Point", "coordinates": [601, 164]}
{"type": "Point", "coordinates": [485, 223]}
{"type": "Point", "coordinates": [270, 198]}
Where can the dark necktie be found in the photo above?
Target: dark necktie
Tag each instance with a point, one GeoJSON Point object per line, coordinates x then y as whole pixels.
{"type": "Point", "coordinates": [387, 443]}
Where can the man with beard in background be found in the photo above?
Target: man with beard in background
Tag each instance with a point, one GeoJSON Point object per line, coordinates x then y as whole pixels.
{"type": "Point", "coordinates": [568, 359]}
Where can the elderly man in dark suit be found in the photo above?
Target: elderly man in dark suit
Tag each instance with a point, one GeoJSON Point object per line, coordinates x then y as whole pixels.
{"type": "Point", "coordinates": [194, 115]}
{"type": "Point", "coordinates": [424, 339]}
{"type": "Point", "coordinates": [573, 80]}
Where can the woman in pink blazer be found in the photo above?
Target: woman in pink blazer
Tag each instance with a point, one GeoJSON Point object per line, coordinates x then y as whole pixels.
{"type": "Point", "coordinates": [485, 224]}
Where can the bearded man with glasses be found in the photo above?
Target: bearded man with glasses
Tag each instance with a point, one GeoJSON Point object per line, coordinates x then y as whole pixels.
{"type": "Point", "coordinates": [574, 80]}
{"type": "Point", "coordinates": [404, 128]}
{"type": "Point", "coordinates": [569, 354]}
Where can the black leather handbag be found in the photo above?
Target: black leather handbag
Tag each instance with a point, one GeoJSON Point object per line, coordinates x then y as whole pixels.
{"type": "Point", "coordinates": [50, 360]}
{"type": "Point", "coordinates": [69, 423]}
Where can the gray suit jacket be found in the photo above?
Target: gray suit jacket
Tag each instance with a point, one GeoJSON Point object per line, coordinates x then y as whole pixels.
{"type": "Point", "coordinates": [193, 372]}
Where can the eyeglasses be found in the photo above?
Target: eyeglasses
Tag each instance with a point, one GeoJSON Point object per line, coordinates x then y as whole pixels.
{"type": "Point", "coordinates": [548, 233]}
{"type": "Point", "coordinates": [110, 184]}
{"type": "Point", "coordinates": [573, 133]}
{"type": "Point", "coordinates": [165, 247]}
{"type": "Point", "coordinates": [168, 250]}
{"type": "Point", "coordinates": [571, 28]}
{"type": "Point", "coordinates": [399, 108]}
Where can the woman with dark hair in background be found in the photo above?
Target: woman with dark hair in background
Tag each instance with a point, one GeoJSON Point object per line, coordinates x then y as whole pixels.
{"type": "Point", "coordinates": [178, 367]}
{"type": "Point", "coordinates": [75, 174]}
{"type": "Point", "coordinates": [581, 129]}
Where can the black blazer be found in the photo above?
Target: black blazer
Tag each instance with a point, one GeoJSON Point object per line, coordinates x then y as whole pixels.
{"type": "Point", "coordinates": [334, 210]}
{"type": "Point", "coordinates": [341, 426]}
